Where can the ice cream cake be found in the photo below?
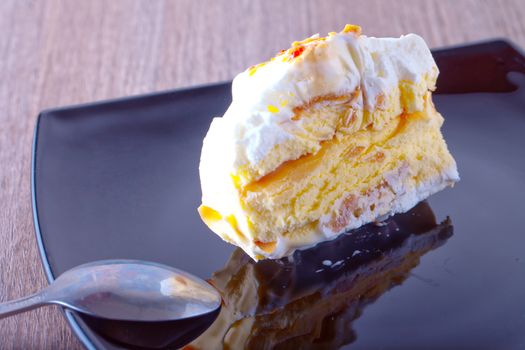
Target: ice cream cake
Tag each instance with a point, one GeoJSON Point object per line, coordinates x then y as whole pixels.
{"type": "Point", "coordinates": [331, 134]}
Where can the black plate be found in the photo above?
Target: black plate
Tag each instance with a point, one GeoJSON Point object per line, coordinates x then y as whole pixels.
{"type": "Point", "coordinates": [119, 179]}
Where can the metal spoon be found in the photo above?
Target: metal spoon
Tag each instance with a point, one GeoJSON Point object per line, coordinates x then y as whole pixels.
{"type": "Point", "coordinates": [132, 302]}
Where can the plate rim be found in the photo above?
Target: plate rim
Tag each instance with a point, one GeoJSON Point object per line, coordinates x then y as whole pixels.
{"type": "Point", "coordinates": [79, 332]}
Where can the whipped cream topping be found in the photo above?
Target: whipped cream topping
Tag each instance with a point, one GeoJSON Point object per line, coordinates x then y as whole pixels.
{"type": "Point", "coordinates": [260, 118]}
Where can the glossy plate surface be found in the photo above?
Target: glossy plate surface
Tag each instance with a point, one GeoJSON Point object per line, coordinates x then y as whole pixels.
{"type": "Point", "coordinates": [119, 180]}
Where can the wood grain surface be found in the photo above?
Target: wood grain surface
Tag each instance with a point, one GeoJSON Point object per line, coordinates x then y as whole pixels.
{"type": "Point", "coordinates": [55, 53]}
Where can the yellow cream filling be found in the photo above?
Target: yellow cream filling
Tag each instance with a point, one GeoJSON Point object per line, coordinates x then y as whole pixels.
{"type": "Point", "coordinates": [290, 200]}
{"type": "Point", "coordinates": [299, 192]}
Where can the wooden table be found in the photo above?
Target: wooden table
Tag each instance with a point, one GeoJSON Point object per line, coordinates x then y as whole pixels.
{"type": "Point", "coordinates": [56, 53]}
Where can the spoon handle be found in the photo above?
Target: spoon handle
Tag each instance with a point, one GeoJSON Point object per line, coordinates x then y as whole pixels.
{"type": "Point", "coordinates": [20, 305]}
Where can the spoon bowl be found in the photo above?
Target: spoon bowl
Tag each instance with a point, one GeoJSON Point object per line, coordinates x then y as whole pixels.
{"type": "Point", "coordinates": [136, 303]}
{"type": "Point", "coordinates": [151, 335]}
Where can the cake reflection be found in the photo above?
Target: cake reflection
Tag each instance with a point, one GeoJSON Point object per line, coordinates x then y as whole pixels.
{"type": "Point", "coordinates": [311, 299]}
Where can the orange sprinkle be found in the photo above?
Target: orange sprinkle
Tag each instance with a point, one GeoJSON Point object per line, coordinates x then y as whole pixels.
{"type": "Point", "coordinates": [236, 180]}
{"type": "Point", "coordinates": [253, 69]}
{"type": "Point", "coordinates": [233, 223]}
{"type": "Point", "coordinates": [209, 215]}
{"type": "Point", "coordinates": [273, 109]}
{"type": "Point", "coordinates": [297, 52]}
{"type": "Point", "coordinates": [268, 247]}
{"type": "Point", "coordinates": [352, 28]}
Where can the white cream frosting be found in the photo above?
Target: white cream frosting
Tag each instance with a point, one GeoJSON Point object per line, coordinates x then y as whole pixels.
{"type": "Point", "coordinates": [339, 65]}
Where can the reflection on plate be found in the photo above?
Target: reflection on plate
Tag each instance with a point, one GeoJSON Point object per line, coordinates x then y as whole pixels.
{"type": "Point", "coordinates": [119, 179]}
{"type": "Point", "coordinates": [311, 299]}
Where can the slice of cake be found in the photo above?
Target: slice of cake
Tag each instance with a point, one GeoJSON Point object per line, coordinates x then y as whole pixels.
{"type": "Point", "coordinates": [329, 135]}
{"type": "Point", "coordinates": [327, 287]}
